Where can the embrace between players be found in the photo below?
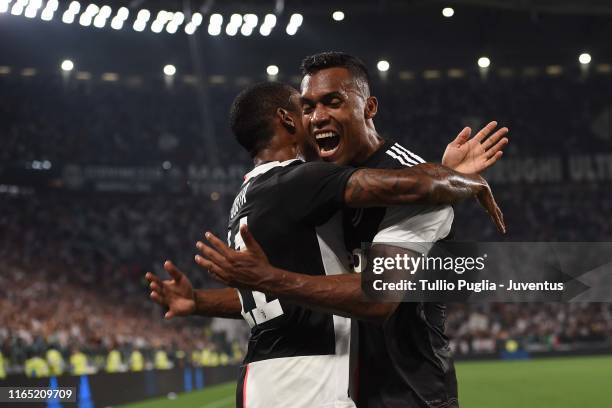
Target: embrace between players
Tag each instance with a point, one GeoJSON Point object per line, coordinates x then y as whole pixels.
{"type": "Point", "coordinates": [324, 182]}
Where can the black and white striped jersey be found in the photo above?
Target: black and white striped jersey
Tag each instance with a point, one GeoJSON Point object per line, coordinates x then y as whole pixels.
{"type": "Point", "coordinates": [406, 361]}
{"type": "Point", "coordinates": [295, 355]}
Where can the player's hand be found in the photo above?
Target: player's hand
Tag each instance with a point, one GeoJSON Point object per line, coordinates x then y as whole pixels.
{"type": "Point", "coordinates": [176, 294]}
{"type": "Point", "coordinates": [477, 154]}
{"type": "Point", "coordinates": [486, 199]}
{"type": "Point", "coordinates": [238, 269]}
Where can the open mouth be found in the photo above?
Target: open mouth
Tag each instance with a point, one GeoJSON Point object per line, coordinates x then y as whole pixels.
{"type": "Point", "coordinates": [328, 143]}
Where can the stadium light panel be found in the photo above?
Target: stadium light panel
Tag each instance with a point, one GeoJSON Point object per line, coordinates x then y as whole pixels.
{"type": "Point", "coordinates": [157, 26]}
{"type": "Point", "coordinates": [251, 20]}
{"type": "Point", "coordinates": [484, 62]}
{"type": "Point", "coordinates": [196, 19]}
{"type": "Point", "coordinates": [296, 19]}
{"type": "Point", "coordinates": [190, 28]}
{"type": "Point", "coordinates": [85, 20]}
{"type": "Point", "coordinates": [216, 19]}
{"type": "Point", "coordinates": [32, 8]}
{"type": "Point", "coordinates": [448, 12]}
{"type": "Point", "coordinates": [117, 23]}
{"type": "Point", "coordinates": [338, 15]}
{"type": "Point", "coordinates": [272, 70]}
{"type": "Point", "coordinates": [67, 65]}
{"type": "Point", "coordinates": [246, 30]}
{"type": "Point", "coordinates": [171, 28]}
{"type": "Point", "coordinates": [74, 7]}
{"type": "Point", "coordinates": [383, 65]}
{"type": "Point", "coordinates": [584, 58]}
{"type": "Point", "coordinates": [92, 10]}
{"type": "Point", "coordinates": [169, 70]}
{"type": "Point", "coordinates": [67, 17]}
{"type": "Point", "coordinates": [123, 13]}
{"type": "Point", "coordinates": [178, 18]}
{"type": "Point", "coordinates": [143, 15]}
{"type": "Point", "coordinates": [99, 21]}
{"type": "Point", "coordinates": [105, 11]}
{"type": "Point", "coordinates": [265, 30]}
{"type": "Point", "coordinates": [17, 9]}
{"type": "Point", "coordinates": [139, 25]}
{"type": "Point", "coordinates": [214, 30]}
{"type": "Point", "coordinates": [4, 6]}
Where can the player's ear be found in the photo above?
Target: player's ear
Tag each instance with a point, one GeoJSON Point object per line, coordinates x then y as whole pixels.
{"type": "Point", "coordinates": [286, 119]}
{"type": "Point", "coordinates": [371, 107]}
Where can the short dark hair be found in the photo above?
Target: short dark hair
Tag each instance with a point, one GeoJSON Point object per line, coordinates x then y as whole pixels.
{"type": "Point", "coordinates": [331, 59]}
{"type": "Point", "coordinates": [252, 112]}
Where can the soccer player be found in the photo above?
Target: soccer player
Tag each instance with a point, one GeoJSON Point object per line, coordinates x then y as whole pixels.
{"type": "Point", "coordinates": [405, 361]}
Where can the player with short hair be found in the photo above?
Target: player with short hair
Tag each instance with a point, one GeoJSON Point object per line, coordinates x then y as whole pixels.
{"type": "Point", "coordinates": [405, 361]}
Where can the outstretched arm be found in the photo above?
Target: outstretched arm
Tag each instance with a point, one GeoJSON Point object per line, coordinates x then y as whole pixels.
{"type": "Point", "coordinates": [179, 297]}
{"type": "Point", "coordinates": [426, 183]}
{"type": "Point", "coordinates": [250, 268]}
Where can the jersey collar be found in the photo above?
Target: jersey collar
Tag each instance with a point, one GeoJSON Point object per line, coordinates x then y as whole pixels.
{"type": "Point", "coordinates": [262, 168]}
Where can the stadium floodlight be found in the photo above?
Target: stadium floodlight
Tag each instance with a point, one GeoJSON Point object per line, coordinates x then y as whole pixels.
{"type": "Point", "coordinates": [448, 12]}
{"type": "Point", "coordinates": [214, 30]}
{"type": "Point", "coordinates": [4, 6]}
{"type": "Point", "coordinates": [196, 19]}
{"type": "Point", "coordinates": [246, 30]}
{"type": "Point", "coordinates": [123, 13]}
{"type": "Point", "coordinates": [216, 19]}
{"type": "Point", "coordinates": [105, 11]}
{"type": "Point", "coordinates": [85, 20]}
{"type": "Point", "coordinates": [116, 23]}
{"type": "Point", "coordinates": [484, 62]}
{"type": "Point", "coordinates": [338, 15]}
{"type": "Point", "coordinates": [296, 19]}
{"type": "Point", "coordinates": [584, 58]}
{"type": "Point", "coordinates": [49, 10]}
{"type": "Point", "coordinates": [17, 8]}
{"type": "Point", "coordinates": [169, 70]}
{"type": "Point", "coordinates": [74, 7]}
{"type": "Point", "coordinates": [139, 25]}
{"type": "Point", "coordinates": [32, 8]}
{"type": "Point", "coordinates": [190, 28]}
{"type": "Point", "coordinates": [251, 20]}
{"type": "Point", "coordinates": [272, 70]}
{"type": "Point", "coordinates": [157, 26]}
{"type": "Point", "coordinates": [67, 17]}
{"type": "Point", "coordinates": [92, 10]}
{"type": "Point", "coordinates": [67, 65]}
{"type": "Point", "coordinates": [270, 20]}
{"type": "Point", "coordinates": [294, 23]}
{"type": "Point", "coordinates": [171, 28]}
{"type": "Point", "coordinates": [383, 65]}
{"type": "Point", "coordinates": [144, 15]}
{"type": "Point", "coordinates": [178, 18]}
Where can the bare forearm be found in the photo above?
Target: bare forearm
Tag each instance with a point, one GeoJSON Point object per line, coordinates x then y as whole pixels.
{"type": "Point", "coordinates": [336, 294]}
{"type": "Point", "coordinates": [426, 183]}
{"type": "Point", "coordinates": [218, 303]}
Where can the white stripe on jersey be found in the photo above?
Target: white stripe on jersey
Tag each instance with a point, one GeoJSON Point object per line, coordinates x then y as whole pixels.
{"type": "Point", "coordinates": [416, 157]}
{"type": "Point", "coordinates": [405, 155]}
{"type": "Point", "coordinates": [398, 158]}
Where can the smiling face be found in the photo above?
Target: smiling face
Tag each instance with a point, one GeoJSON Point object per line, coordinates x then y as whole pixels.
{"type": "Point", "coordinates": [335, 111]}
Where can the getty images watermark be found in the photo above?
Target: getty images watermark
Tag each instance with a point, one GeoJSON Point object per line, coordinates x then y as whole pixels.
{"type": "Point", "coordinates": [486, 272]}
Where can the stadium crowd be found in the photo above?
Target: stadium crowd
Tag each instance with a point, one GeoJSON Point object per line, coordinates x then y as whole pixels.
{"type": "Point", "coordinates": [73, 263]}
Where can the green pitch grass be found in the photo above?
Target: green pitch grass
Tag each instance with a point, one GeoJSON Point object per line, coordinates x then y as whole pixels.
{"type": "Point", "coordinates": [559, 383]}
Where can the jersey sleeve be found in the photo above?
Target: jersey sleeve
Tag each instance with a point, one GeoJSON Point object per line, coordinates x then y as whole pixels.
{"type": "Point", "coordinates": [414, 227]}
{"type": "Point", "coordinates": [312, 192]}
